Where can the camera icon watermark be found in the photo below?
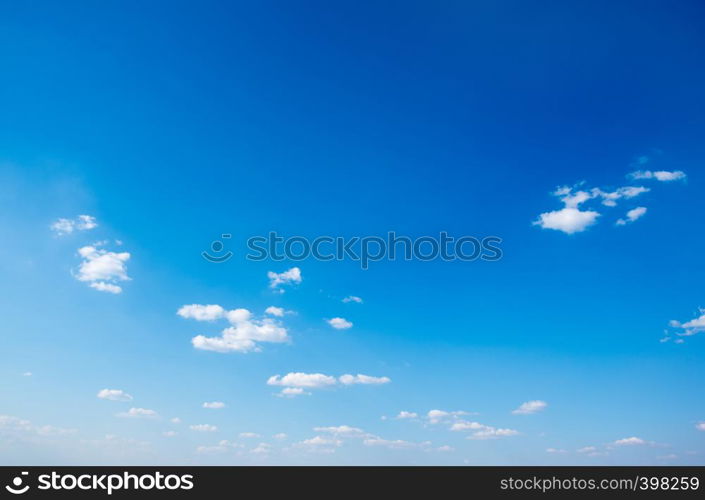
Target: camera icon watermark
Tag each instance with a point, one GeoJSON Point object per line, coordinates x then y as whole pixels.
{"type": "Point", "coordinates": [217, 247]}
{"type": "Point", "coordinates": [16, 487]}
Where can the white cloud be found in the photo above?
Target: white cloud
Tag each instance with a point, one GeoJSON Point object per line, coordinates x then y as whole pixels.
{"type": "Point", "coordinates": [692, 327]}
{"type": "Point", "coordinates": [280, 436]}
{"type": "Point", "coordinates": [700, 426]}
{"type": "Point", "coordinates": [659, 175]}
{"type": "Point", "coordinates": [244, 334]}
{"type": "Point", "coordinates": [352, 298]}
{"type": "Point", "coordinates": [294, 383]}
{"type": "Point", "coordinates": [630, 441]}
{"type": "Point", "coordinates": [339, 323]}
{"type": "Point", "coordinates": [290, 392]}
{"type": "Point", "coordinates": [261, 449]}
{"type": "Point", "coordinates": [530, 407]}
{"type": "Point", "coordinates": [348, 379]}
{"type": "Point", "coordinates": [609, 198]}
{"type": "Point", "coordinates": [492, 433]}
{"type": "Point", "coordinates": [298, 379]}
{"type": "Point", "coordinates": [169, 433]}
{"type": "Point", "coordinates": [555, 450]}
{"type": "Point", "coordinates": [214, 405]}
{"type": "Point", "coordinates": [114, 395]}
{"type": "Point", "coordinates": [209, 312]}
{"type": "Point", "coordinates": [481, 431]}
{"type": "Point", "coordinates": [27, 374]}
{"type": "Point", "coordinates": [101, 269]}
{"type": "Point", "coordinates": [291, 276]}
{"type": "Point", "coordinates": [275, 311]}
{"type": "Point", "coordinates": [406, 414]}
{"type": "Point", "coordinates": [632, 215]}
{"type": "Point", "coordinates": [67, 226]}
{"type": "Point", "coordinates": [203, 428]}
{"type": "Point", "coordinates": [569, 220]}
{"type": "Point", "coordinates": [439, 416]}
{"type": "Point", "coordinates": [342, 431]}
{"type": "Point", "coordinates": [574, 219]}
{"type": "Point", "coordinates": [249, 435]}
{"type": "Point", "coordinates": [175, 420]}
{"type": "Point", "coordinates": [320, 444]}
{"type": "Point", "coordinates": [138, 413]}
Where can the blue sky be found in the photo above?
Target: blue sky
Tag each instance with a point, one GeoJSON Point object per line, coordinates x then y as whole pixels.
{"type": "Point", "coordinates": [171, 124]}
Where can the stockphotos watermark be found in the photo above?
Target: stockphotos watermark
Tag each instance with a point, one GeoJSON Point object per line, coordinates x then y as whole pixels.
{"type": "Point", "coordinates": [362, 249]}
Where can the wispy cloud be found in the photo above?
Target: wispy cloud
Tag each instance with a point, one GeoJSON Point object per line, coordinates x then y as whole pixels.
{"type": "Point", "coordinates": [63, 226]}
{"type": "Point", "coordinates": [530, 407]}
{"type": "Point", "coordinates": [288, 277]}
{"type": "Point", "coordinates": [352, 298]}
{"type": "Point", "coordinates": [138, 413]}
{"type": "Point", "coordinates": [114, 395]}
{"type": "Point", "coordinates": [296, 383]}
{"type": "Point", "coordinates": [659, 175]}
{"type": "Point", "coordinates": [214, 405]}
{"type": "Point", "coordinates": [632, 215]}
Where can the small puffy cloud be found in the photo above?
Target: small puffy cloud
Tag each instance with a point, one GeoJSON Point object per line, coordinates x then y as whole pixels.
{"type": "Point", "coordinates": [352, 298]}
{"type": "Point", "coordinates": [348, 379]}
{"type": "Point", "coordinates": [630, 441]}
{"type": "Point", "coordinates": [261, 449]}
{"type": "Point", "coordinates": [214, 405]}
{"type": "Point", "coordinates": [27, 374]}
{"type": "Point", "coordinates": [138, 413]}
{"type": "Point", "coordinates": [249, 435]}
{"type": "Point", "coordinates": [275, 311]}
{"type": "Point", "coordinates": [530, 407]}
{"type": "Point", "coordinates": [203, 428]}
{"type": "Point", "coordinates": [340, 323]}
{"type": "Point", "coordinates": [114, 395]}
{"type": "Point", "coordinates": [692, 327]}
{"type": "Point", "coordinates": [288, 277]}
{"type": "Point", "coordinates": [555, 450]}
{"type": "Point", "coordinates": [659, 175]}
{"type": "Point", "coordinates": [569, 220]}
{"type": "Point", "coordinates": [102, 269]}
{"type": "Point", "coordinates": [280, 436]}
{"type": "Point", "coordinates": [292, 392]}
{"type": "Point", "coordinates": [175, 420]}
{"type": "Point", "coordinates": [199, 312]}
{"type": "Point", "coordinates": [244, 334]}
{"type": "Point", "coordinates": [700, 426]}
{"type": "Point", "coordinates": [169, 433]}
{"type": "Point", "coordinates": [406, 415]}
{"type": "Point", "coordinates": [439, 416]}
{"type": "Point", "coordinates": [67, 226]}
{"type": "Point", "coordinates": [632, 215]}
